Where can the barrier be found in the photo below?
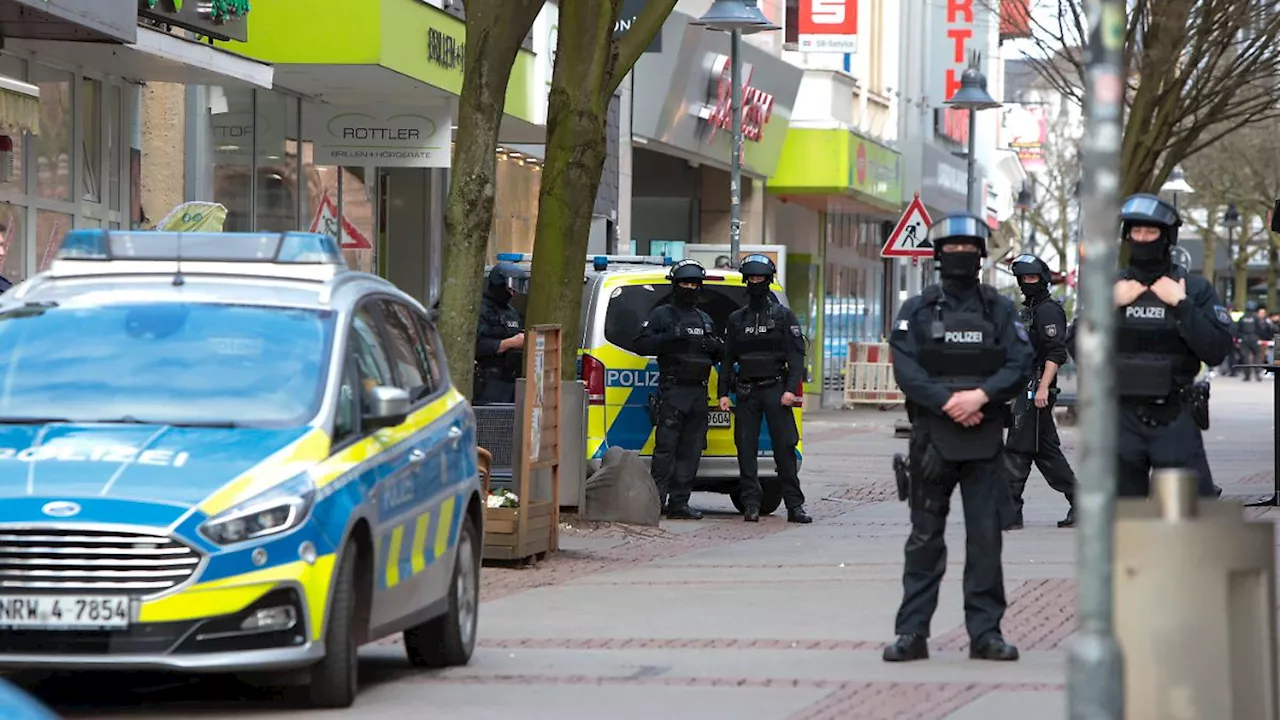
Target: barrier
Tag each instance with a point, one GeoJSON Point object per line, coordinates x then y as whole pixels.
{"type": "Point", "coordinates": [868, 376]}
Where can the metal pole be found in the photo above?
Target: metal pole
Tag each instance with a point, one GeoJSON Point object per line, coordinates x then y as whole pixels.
{"type": "Point", "coordinates": [735, 159]}
{"type": "Point", "coordinates": [1095, 683]}
{"type": "Point", "coordinates": [971, 197]}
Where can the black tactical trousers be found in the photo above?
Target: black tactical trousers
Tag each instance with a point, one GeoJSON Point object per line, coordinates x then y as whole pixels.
{"type": "Point", "coordinates": [982, 494]}
{"type": "Point", "coordinates": [1249, 356]}
{"type": "Point", "coordinates": [764, 404]}
{"type": "Point", "coordinates": [1144, 446]}
{"type": "Point", "coordinates": [1048, 457]}
{"type": "Point", "coordinates": [678, 440]}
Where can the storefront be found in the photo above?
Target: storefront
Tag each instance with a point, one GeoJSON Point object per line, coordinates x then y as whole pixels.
{"type": "Point", "coordinates": [75, 161]}
{"type": "Point", "coordinates": [853, 187]}
{"type": "Point", "coordinates": [355, 137]}
{"type": "Point", "coordinates": [681, 138]}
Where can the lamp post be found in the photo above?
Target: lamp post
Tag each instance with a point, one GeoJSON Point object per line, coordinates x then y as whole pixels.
{"type": "Point", "coordinates": [973, 96]}
{"type": "Point", "coordinates": [738, 18]}
{"type": "Point", "coordinates": [1231, 221]}
{"type": "Point", "coordinates": [1176, 185]}
{"type": "Point", "coordinates": [1023, 203]}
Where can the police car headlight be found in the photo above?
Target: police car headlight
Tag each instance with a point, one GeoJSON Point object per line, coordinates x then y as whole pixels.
{"type": "Point", "coordinates": [281, 508]}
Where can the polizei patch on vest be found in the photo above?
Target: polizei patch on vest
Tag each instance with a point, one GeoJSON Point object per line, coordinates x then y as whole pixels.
{"type": "Point", "coordinates": [963, 336]}
{"type": "Point", "coordinates": [1144, 312]}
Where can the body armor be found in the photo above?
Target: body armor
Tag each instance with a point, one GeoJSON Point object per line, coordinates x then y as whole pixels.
{"type": "Point", "coordinates": [687, 363]}
{"type": "Point", "coordinates": [761, 344]}
{"type": "Point", "coordinates": [1152, 359]}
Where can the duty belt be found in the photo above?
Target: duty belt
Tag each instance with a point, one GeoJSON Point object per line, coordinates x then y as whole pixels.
{"type": "Point", "coordinates": [760, 382]}
{"type": "Point", "coordinates": [682, 382]}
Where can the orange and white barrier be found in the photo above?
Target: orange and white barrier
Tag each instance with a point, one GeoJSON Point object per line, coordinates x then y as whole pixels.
{"type": "Point", "coordinates": [868, 376]}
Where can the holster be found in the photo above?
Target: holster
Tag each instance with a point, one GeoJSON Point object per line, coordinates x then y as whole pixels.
{"type": "Point", "coordinates": [926, 473]}
{"type": "Point", "coordinates": [1198, 399]}
{"type": "Point", "coordinates": [655, 404]}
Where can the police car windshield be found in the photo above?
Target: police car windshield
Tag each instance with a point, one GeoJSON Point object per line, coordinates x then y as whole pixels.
{"type": "Point", "coordinates": [197, 364]}
{"type": "Point", "coordinates": [632, 303]}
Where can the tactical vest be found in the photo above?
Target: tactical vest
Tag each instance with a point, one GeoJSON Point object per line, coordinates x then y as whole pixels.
{"type": "Point", "coordinates": [1027, 313]}
{"type": "Point", "coordinates": [761, 345]}
{"type": "Point", "coordinates": [1249, 329]}
{"type": "Point", "coordinates": [961, 350]}
{"type": "Point", "coordinates": [1152, 360]}
{"type": "Point", "coordinates": [504, 321]}
{"type": "Point", "coordinates": [687, 363]}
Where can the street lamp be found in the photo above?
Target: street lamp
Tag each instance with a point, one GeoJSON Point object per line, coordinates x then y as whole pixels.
{"type": "Point", "coordinates": [1231, 221]}
{"type": "Point", "coordinates": [736, 17]}
{"type": "Point", "coordinates": [973, 96]}
{"type": "Point", "coordinates": [1177, 184]}
{"type": "Point", "coordinates": [1023, 203]}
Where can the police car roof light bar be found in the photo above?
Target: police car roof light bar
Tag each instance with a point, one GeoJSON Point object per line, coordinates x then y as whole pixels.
{"type": "Point", "coordinates": [599, 262]}
{"type": "Point", "coordinates": [291, 248]}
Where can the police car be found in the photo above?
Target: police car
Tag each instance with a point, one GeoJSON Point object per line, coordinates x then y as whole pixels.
{"type": "Point", "coordinates": [229, 453]}
{"type": "Point", "coordinates": [618, 293]}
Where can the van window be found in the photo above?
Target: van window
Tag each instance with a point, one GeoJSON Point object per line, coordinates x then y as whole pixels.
{"type": "Point", "coordinates": [629, 308]}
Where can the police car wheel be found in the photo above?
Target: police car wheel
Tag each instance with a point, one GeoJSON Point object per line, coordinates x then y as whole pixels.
{"type": "Point", "coordinates": [449, 640]}
{"type": "Point", "coordinates": [770, 500]}
{"type": "Point", "coordinates": [334, 679]}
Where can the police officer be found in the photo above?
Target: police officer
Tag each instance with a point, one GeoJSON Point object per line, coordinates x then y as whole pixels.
{"type": "Point", "coordinates": [1249, 330]}
{"type": "Point", "coordinates": [1168, 323]}
{"type": "Point", "coordinates": [499, 336]}
{"type": "Point", "coordinates": [765, 341]}
{"type": "Point", "coordinates": [1034, 437]}
{"type": "Point", "coordinates": [959, 354]}
{"type": "Point", "coordinates": [683, 337]}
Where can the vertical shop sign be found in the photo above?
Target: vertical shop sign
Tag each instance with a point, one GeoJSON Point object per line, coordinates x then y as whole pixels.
{"type": "Point", "coordinates": [959, 27]}
{"type": "Point", "coordinates": [627, 15]}
{"type": "Point", "coordinates": [827, 26]}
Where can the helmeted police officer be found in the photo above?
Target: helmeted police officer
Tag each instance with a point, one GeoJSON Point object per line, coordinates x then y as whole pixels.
{"type": "Point", "coordinates": [1168, 323]}
{"type": "Point", "coordinates": [766, 343]}
{"type": "Point", "coordinates": [1034, 436]}
{"type": "Point", "coordinates": [959, 354]}
{"type": "Point", "coordinates": [499, 336]}
{"type": "Point", "coordinates": [684, 339]}
{"type": "Point", "coordinates": [1249, 330]}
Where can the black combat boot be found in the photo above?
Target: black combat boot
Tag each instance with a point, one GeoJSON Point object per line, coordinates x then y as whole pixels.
{"type": "Point", "coordinates": [798, 515]}
{"type": "Point", "coordinates": [993, 648]}
{"type": "Point", "coordinates": [751, 513]}
{"type": "Point", "coordinates": [683, 512]}
{"type": "Point", "coordinates": [907, 648]}
{"type": "Point", "coordinates": [1070, 520]}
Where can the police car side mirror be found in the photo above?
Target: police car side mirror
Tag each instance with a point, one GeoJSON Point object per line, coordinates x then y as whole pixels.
{"type": "Point", "coordinates": [385, 407]}
{"type": "Point", "coordinates": [1275, 218]}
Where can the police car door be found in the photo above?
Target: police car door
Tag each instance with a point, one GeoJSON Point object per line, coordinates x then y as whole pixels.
{"type": "Point", "coordinates": [437, 446]}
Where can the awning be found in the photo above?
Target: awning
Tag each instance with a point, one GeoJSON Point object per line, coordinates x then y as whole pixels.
{"type": "Point", "coordinates": [157, 57]}
{"type": "Point", "coordinates": [19, 107]}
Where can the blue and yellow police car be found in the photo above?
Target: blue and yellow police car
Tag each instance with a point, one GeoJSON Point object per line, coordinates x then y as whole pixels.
{"type": "Point", "coordinates": [228, 452]}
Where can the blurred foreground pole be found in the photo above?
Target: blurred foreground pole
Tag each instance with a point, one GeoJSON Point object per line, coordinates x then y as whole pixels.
{"type": "Point", "coordinates": [1095, 683]}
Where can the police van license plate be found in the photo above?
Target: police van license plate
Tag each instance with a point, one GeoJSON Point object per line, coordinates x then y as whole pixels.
{"type": "Point", "coordinates": [718, 418]}
{"type": "Point", "coordinates": [64, 612]}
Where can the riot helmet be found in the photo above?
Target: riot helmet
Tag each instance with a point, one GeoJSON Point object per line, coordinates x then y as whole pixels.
{"type": "Point", "coordinates": [1032, 273]}
{"type": "Point", "coordinates": [1251, 306]}
{"type": "Point", "coordinates": [1152, 254]}
{"type": "Point", "coordinates": [960, 266]}
{"type": "Point", "coordinates": [507, 279]}
{"type": "Point", "coordinates": [757, 266]}
{"type": "Point", "coordinates": [687, 272]}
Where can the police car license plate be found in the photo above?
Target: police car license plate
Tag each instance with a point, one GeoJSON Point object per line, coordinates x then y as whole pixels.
{"type": "Point", "coordinates": [64, 612]}
{"type": "Point", "coordinates": [718, 418]}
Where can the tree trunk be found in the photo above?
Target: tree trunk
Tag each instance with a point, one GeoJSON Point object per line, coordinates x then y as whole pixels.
{"type": "Point", "coordinates": [1242, 283]}
{"type": "Point", "coordinates": [495, 31]}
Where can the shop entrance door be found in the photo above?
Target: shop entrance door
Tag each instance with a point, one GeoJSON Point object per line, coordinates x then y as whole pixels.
{"type": "Point", "coordinates": [412, 229]}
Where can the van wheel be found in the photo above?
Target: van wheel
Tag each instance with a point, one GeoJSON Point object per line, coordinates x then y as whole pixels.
{"type": "Point", "coordinates": [770, 497]}
{"type": "Point", "coordinates": [449, 640]}
{"type": "Point", "coordinates": [334, 680]}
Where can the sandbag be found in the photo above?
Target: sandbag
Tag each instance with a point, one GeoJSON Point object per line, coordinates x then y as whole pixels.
{"type": "Point", "coordinates": [622, 491]}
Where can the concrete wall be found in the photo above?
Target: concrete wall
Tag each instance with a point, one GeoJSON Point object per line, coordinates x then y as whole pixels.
{"type": "Point", "coordinates": [163, 123]}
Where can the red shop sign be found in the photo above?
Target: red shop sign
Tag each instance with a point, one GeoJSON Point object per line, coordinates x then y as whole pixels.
{"type": "Point", "coordinates": [757, 105]}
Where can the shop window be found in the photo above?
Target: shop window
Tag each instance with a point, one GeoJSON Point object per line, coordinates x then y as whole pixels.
{"type": "Point", "coordinates": [231, 128]}
{"type": "Point", "coordinates": [277, 181]}
{"type": "Point", "coordinates": [13, 227]}
{"type": "Point", "coordinates": [57, 125]}
{"type": "Point", "coordinates": [90, 155]}
{"type": "Point", "coordinates": [50, 228]}
{"type": "Point", "coordinates": [15, 68]}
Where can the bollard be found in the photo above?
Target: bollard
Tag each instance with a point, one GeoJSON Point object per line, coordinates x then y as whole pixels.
{"type": "Point", "coordinates": [1194, 606]}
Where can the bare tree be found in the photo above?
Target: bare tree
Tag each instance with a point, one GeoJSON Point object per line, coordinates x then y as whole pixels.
{"type": "Point", "coordinates": [495, 31]}
{"type": "Point", "coordinates": [590, 64]}
{"type": "Point", "coordinates": [1239, 169]}
{"type": "Point", "coordinates": [1051, 217]}
{"type": "Point", "coordinates": [1198, 70]}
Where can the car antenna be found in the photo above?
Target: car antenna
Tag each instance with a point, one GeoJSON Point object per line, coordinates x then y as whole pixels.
{"type": "Point", "coordinates": [178, 280]}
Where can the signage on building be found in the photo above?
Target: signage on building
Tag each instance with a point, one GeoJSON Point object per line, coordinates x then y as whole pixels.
{"type": "Point", "coordinates": [217, 19]}
{"type": "Point", "coordinates": [627, 15]}
{"type": "Point", "coordinates": [757, 105]}
{"type": "Point", "coordinates": [875, 170]}
{"type": "Point", "coordinates": [1025, 130]}
{"type": "Point", "coordinates": [828, 26]}
{"type": "Point", "coordinates": [1015, 19]}
{"type": "Point", "coordinates": [952, 123]}
{"type": "Point", "coordinates": [444, 50]}
{"type": "Point", "coordinates": [944, 184]}
{"type": "Point", "coordinates": [959, 27]}
{"type": "Point", "coordinates": [379, 136]}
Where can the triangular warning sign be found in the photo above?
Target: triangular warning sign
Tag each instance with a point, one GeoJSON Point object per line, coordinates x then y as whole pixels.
{"type": "Point", "coordinates": [910, 238]}
{"type": "Point", "coordinates": [326, 221]}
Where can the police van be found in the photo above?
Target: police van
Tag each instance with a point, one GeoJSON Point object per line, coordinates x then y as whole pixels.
{"type": "Point", "coordinates": [618, 293]}
{"type": "Point", "coordinates": [227, 452]}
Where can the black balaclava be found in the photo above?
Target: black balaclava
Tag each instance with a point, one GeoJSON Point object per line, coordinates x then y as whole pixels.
{"type": "Point", "coordinates": [496, 289]}
{"type": "Point", "coordinates": [685, 297]}
{"type": "Point", "coordinates": [1033, 291]}
{"type": "Point", "coordinates": [1150, 260]}
{"type": "Point", "coordinates": [959, 270]}
{"type": "Point", "coordinates": [758, 292]}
